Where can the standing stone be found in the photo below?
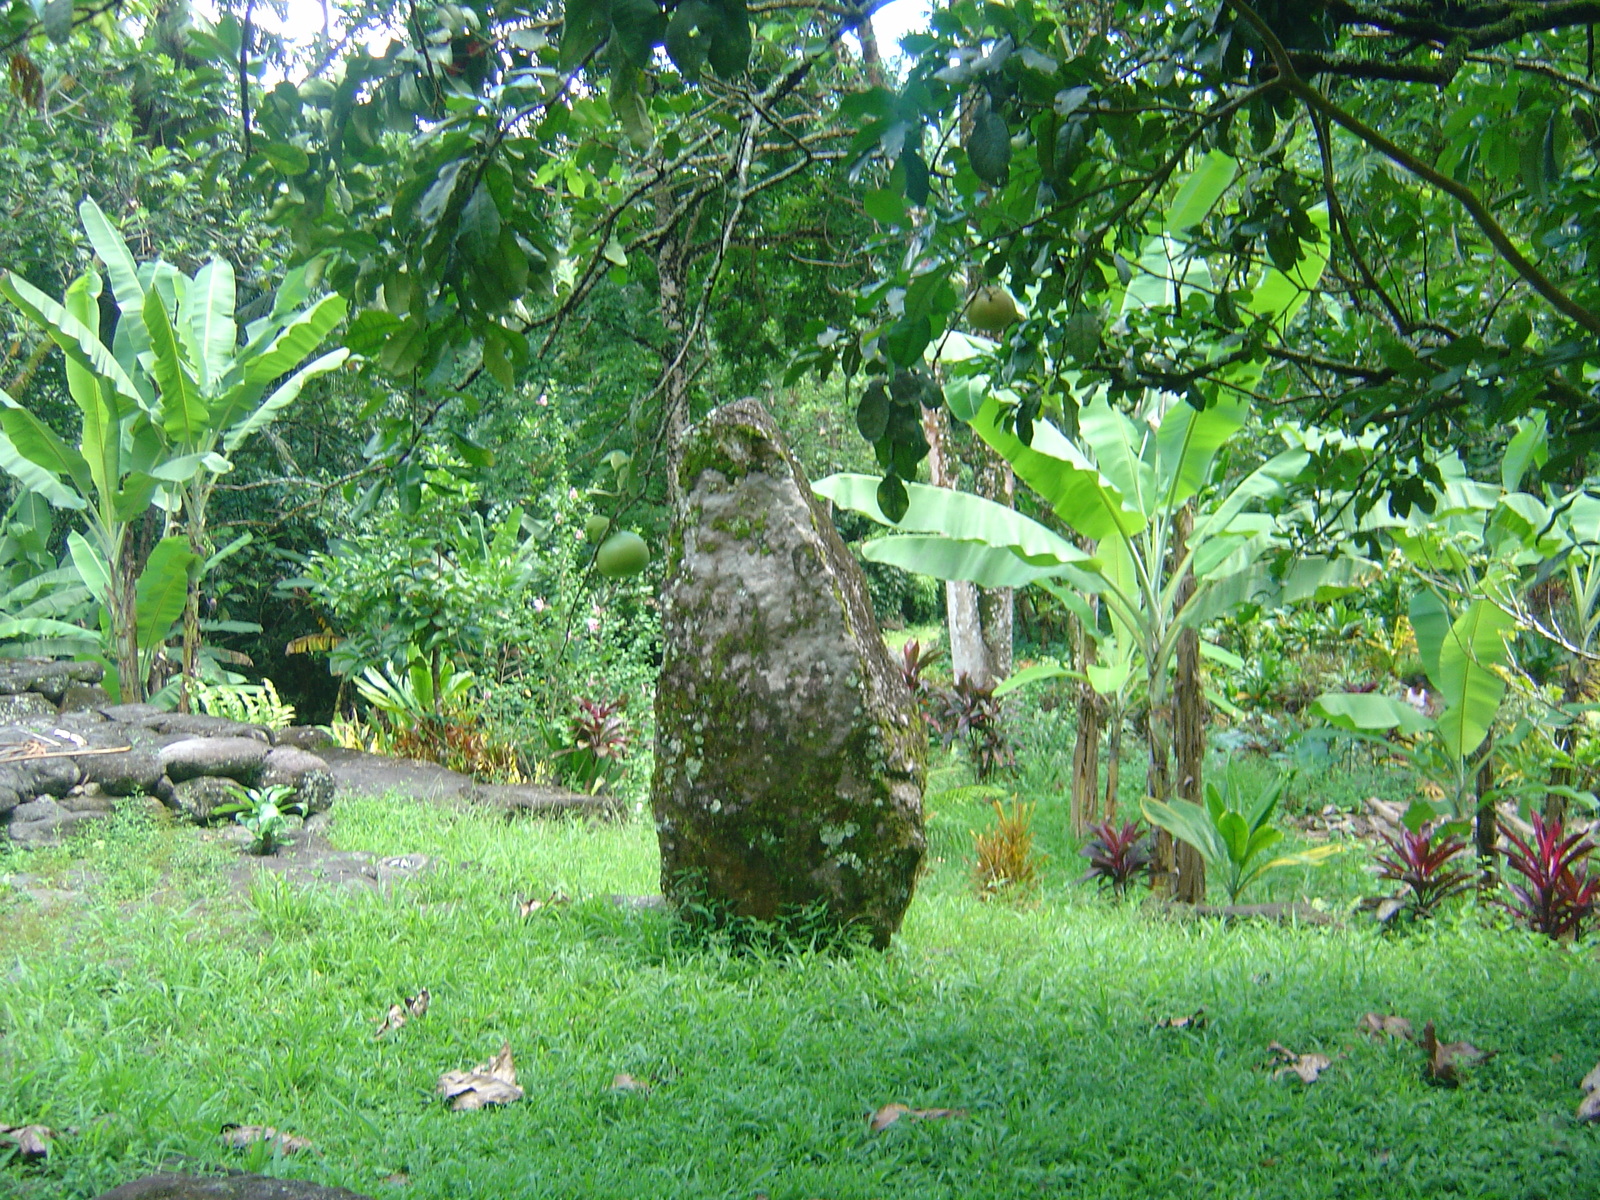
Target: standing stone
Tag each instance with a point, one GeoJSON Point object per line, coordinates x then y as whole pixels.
{"type": "Point", "coordinates": [789, 758]}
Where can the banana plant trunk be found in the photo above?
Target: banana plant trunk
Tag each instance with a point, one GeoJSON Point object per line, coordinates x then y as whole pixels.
{"type": "Point", "coordinates": [1486, 820]}
{"type": "Point", "coordinates": [1180, 872]}
{"type": "Point", "coordinates": [123, 608]}
{"type": "Point", "coordinates": [195, 505]}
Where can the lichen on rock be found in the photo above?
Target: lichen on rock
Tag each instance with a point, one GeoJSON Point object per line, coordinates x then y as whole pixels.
{"type": "Point", "coordinates": [789, 755]}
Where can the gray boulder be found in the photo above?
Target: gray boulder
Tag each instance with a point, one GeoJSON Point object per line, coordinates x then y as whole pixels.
{"type": "Point", "coordinates": [21, 705]}
{"type": "Point", "coordinates": [303, 771]}
{"type": "Point", "coordinates": [239, 758]}
{"type": "Point", "coordinates": [789, 757]}
{"type": "Point", "coordinates": [49, 677]}
{"type": "Point", "coordinates": [199, 798]}
{"type": "Point", "coordinates": [236, 1185]}
{"type": "Point", "coordinates": [83, 697]}
{"type": "Point", "coordinates": [41, 822]}
{"type": "Point", "coordinates": [305, 737]}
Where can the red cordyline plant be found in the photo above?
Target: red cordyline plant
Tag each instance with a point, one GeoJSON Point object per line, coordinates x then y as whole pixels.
{"type": "Point", "coordinates": [1422, 864]}
{"type": "Point", "coordinates": [1118, 855]}
{"type": "Point", "coordinates": [1557, 896]}
{"type": "Point", "coordinates": [914, 663]}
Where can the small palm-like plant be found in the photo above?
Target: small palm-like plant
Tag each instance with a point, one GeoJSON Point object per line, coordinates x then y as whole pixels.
{"type": "Point", "coordinates": [599, 743]}
{"type": "Point", "coordinates": [1233, 842]}
{"type": "Point", "coordinates": [971, 713]}
{"type": "Point", "coordinates": [1557, 896]}
{"type": "Point", "coordinates": [265, 813]}
{"type": "Point", "coordinates": [1421, 864]}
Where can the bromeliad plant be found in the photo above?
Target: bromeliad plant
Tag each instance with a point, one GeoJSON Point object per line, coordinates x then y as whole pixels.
{"type": "Point", "coordinates": [1424, 864]}
{"type": "Point", "coordinates": [1118, 855]}
{"type": "Point", "coordinates": [265, 813]}
{"type": "Point", "coordinates": [598, 749]}
{"type": "Point", "coordinates": [1233, 842]}
{"type": "Point", "coordinates": [970, 713]}
{"type": "Point", "coordinates": [1558, 896]}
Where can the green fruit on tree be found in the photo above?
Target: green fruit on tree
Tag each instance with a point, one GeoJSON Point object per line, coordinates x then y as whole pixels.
{"type": "Point", "coordinates": [622, 554]}
{"type": "Point", "coordinates": [595, 528]}
{"type": "Point", "coordinates": [992, 309]}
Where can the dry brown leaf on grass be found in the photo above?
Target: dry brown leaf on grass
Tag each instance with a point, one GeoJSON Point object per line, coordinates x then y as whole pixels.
{"type": "Point", "coordinates": [890, 1113]}
{"type": "Point", "coordinates": [1195, 1020]}
{"type": "Point", "coordinates": [31, 1142]}
{"type": "Point", "coordinates": [1377, 1026]}
{"type": "Point", "coordinates": [526, 908]}
{"type": "Point", "coordinates": [1445, 1058]}
{"type": "Point", "coordinates": [627, 1083]}
{"type": "Point", "coordinates": [493, 1082]}
{"type": "Point", "coordinates": [1589, 1106]}
{"type": "Point", "coordinates": [399, 1014]}
{"type": "Point", "coordinates": [1307, 1066]}
{"type": "Point", "coordinates": [242, 1137]}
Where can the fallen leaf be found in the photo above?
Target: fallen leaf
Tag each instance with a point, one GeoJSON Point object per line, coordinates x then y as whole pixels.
{"type": "Point", "coordinates": [526, 908]}
{"type": "Point", "coordinates": [1445, 1057]}
{"type": "Point", "coordinates": [242, 1137]}
{"type": "Point", "coordinates": [1387, 908]}
{"type": "Point", "coordinates": [890, 1113]}
{"type": "Point", "coordinates": [627, 1083]}
{"type": "Point", "coordinates": [32, 1142]}
{"type": "Point", "coordinates": [1375, 1025]}
{"type": "Point", "coordinates": [493, 1082]}
{"type": "Point", "coordinates": [1589, 1106]}
{"type": "Point", "coordinates": [399, 1014]}
{"type": "Point", "coordinates": [1195, 1020]}
{"type": "Point", "coordinates": [1306, 1066]}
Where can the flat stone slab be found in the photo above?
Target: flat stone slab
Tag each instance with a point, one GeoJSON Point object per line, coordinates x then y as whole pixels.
{"type": "Point", "coordinates": [357, 773]}
{"type": "Point", "coordinates": [234, 1186]}
{"type": "Point", "coordinates": [237, 758]}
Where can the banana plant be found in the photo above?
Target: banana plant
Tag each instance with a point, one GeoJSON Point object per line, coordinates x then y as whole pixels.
{"type": "Point", "coordinates": [178, 340]}
{"type": "Point", "coordinates": [110, 477]}
{"type": "Point", "coordinates": [1123, 484]}
{"type": "Point", "coordinates": [164, 406]}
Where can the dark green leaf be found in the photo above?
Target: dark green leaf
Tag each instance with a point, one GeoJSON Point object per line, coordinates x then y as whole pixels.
{"type": "Point", "coordinates": [479, 232]}
{"type": "Point", "coordinates": [369, 331]}
{"type": "Point", "coordinates": [872, 414]}
{"type": "Point", "coordinates": [437, 198]}
{"type": "Point", "coordinates": [639, 26]}
{"type": "Point", "coordinates": [892, 498]}
{"type": "Point", "coordinates": [688, 37]}
{"type": "Point", "coordinates": [906, 339]}
{"type": "Point", "coordinates": [729, 52]}
{"type": "Point", "coordinates": [289, 160]}
{"type": "Point", "coordinates": [56, 16]}
{"type": "Point", "coordinates": [989, 148]}
{"type": "Point", "coordinates": [583, 24]}
{"type": "Point", "coordinates": [917, 178]}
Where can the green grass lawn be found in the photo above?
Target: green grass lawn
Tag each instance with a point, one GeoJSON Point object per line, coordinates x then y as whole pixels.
{"type": "Point", "coordinates": [167, 1007]}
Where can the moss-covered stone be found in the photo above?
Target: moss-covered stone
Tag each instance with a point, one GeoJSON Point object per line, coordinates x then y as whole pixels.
{"type": "Point", "coordinates": [789, 757]}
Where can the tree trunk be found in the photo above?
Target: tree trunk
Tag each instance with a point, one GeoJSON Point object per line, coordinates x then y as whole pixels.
{"type": "Point", "coordinates": [1188, 724]}
{"type": "Point", "coordinates": [1086, 747]}
{"type": "Point", "coordinates": [1158, 773]}
{"type": "Point", "coordinates": [1485, 823]}
{"type": "Point", "coordinates": [969, 655]}
{"type": "Point", "coordinates": [1114, 720]}
{"type": "Point", "coordinates": [997, 606]}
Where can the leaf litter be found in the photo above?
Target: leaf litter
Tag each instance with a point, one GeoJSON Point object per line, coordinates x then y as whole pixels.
{"type": "Point", "coordinates": [242, 1137]}
{"type": "Point", "coordinates": [399, 1014]}
{"type": "Point", "coordinates": [493, 1082]}
{"type": "Point", "coordinates": [31, 1142]}
{"type": "Point", "coordinates": [627, 1083]}
{"type": "Point", "coordinates": [1308, 1067]}
{"type": "Point", "coordinates": [1446, 1058]}
{"type": "Point", "coordinates": [1195, 1020]}
{"type": "Point", "coordinates": [891, 1113]}
{"type": "Point", "coordinates": [526, 908]}
{"type": "Point", "coordinates": [1378, 1027]}
{"type": "Point", "coordinates": [1589, 1106]}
